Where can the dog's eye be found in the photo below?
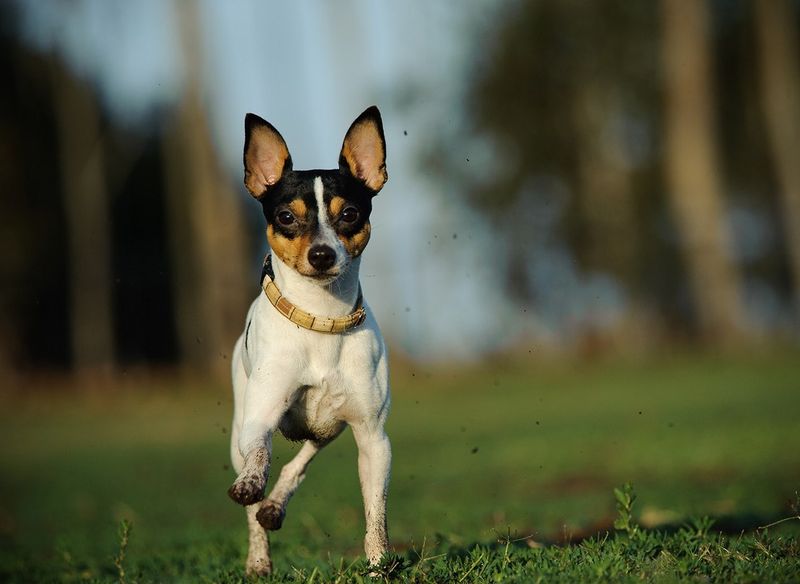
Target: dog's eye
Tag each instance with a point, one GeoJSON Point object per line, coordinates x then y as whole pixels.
{"type": "Point", "coordinates": [349, 215]}
{"type": "Point", "coordinates": [285, 218]}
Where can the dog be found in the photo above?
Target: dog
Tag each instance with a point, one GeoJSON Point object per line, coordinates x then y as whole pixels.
{"type": "Point", "coordinates": [311, 359]}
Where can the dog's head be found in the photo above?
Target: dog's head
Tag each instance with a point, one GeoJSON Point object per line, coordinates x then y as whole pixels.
{"type": "Point", "coordinates": [317, 220]}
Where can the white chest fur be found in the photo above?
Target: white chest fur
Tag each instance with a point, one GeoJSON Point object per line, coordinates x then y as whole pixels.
{"type": "Point", "coordinates": [323, 381]}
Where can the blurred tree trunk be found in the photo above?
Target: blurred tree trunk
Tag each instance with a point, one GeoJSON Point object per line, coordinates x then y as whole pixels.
{"type": "Point", "coordinates": [780, 92]}
{"type": "Point", "coordinates": [88, 223]}
{"type": "Point", "coordinates": [607, 198]}
{"type": "Point", "coordinates": [692, 170]}
{"type": "Point", "coordinates": [208, 240]}
{"type": "Point", "coordinates": [606, 194]}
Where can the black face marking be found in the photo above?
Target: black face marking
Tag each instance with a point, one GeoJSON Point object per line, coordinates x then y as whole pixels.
{"type": "Point", "coordinates": [299, 185]}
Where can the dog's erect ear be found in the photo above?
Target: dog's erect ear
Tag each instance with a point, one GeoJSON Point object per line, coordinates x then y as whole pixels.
{"type": "Point", "coordinates": [266, 156]}
{"type": "Point", "coordinates": [364, 150]}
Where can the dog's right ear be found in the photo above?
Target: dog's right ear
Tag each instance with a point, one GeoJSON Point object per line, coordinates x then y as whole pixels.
{"type": "Point", "coordinates": [266, 156]}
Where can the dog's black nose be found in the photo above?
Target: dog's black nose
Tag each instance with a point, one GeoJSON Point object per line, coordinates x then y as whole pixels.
{"type": "Point", "coordinates": [321, 257]}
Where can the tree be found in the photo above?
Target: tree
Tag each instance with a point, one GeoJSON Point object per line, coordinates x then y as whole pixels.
{"type": "Point", "coordinates": [556, 89]}
{"type": "Point", "coordinates": [779, 67]}
{"type": "Point", "coordinates": [209, 256]}
{"type": "Point", "coordinates": [88, 223]}
{"type": "Point", "coordinates": [693, 170]}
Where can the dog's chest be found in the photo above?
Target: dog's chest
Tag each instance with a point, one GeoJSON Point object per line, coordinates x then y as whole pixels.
{"type": "Point", "coordinates": [331, 376]}
{"type": "Point", "coordinates": [318, 410]}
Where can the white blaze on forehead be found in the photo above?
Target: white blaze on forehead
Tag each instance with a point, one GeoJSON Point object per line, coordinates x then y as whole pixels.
{"type": "Point", "coordinates": [326, 233]}
{"type": "Point", "coordinates": [322, 210]}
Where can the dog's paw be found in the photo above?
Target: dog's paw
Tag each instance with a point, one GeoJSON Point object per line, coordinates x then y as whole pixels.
{"type": "Point", "coordinates": [247, 489]}
{"type": "Point", "coordinates": [271, 515]}
{"type": "Point", "coordinates": [258, 567]}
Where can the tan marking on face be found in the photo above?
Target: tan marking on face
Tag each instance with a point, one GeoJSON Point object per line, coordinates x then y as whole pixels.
{"type": "Point", "coordinates": [336, 205]}
{"type": "Point", "coordinates": [299, 209]}
{"type": "Point", "coordinates": [292, 252]}
{"type": "Point", "coordinates": [355, 244]}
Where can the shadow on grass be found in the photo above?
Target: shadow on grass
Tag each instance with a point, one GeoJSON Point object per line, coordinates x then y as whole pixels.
{"type": "Point", "coordinates": [734, 524]}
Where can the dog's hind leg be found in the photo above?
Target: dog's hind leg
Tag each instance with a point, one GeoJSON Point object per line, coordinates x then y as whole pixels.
{"type": "Point", "coordinates": [273, 509]}
{"type": "Point", "coordinates": [258, 560]}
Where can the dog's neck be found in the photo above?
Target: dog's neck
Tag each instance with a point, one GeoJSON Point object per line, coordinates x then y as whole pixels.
{"type": "Point", "coordinates": [331, 300]}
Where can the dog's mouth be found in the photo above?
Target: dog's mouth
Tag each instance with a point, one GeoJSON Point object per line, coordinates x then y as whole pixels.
{"type": "Point", "coordinates": [324, 277]}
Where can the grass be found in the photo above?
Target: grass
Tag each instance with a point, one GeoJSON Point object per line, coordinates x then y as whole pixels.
{"type": "Point", "coordinates": [501, 473]}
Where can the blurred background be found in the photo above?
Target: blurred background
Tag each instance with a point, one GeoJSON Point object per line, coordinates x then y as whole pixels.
{"type": "Point", "coordinates": [571, 183]}
{"type": "Point", "coordinates": [614, 177]}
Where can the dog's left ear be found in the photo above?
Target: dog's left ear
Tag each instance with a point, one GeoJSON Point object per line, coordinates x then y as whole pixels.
{"type": "Point", "coordinates": [364, 150]}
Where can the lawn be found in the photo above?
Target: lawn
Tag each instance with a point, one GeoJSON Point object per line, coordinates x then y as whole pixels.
{"type": "Point", "coordinates": [503, 472]}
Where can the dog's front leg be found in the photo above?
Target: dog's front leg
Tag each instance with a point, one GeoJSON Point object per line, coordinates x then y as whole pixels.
{"type": "Point", "coordinates": [248, 488]}
{"type": "Point", "coordinates": [374, 461]}
{"type": "Point", "coordinates": [264, 406]}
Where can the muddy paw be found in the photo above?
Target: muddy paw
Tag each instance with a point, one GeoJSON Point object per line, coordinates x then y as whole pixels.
{"type": "Point", "coordinates": [247, 490]}
{"type": "Point", "coordinates": [271, 515]}
{"type": "Point", "coordinates": [258, 567]}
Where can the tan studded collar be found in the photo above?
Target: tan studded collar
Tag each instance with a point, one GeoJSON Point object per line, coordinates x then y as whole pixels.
{"type": "Point", "coordinates": [321, 324]}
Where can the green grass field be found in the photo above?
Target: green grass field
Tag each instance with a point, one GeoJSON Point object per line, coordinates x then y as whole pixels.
{"type": "Point", "coordinates": [500, 473]}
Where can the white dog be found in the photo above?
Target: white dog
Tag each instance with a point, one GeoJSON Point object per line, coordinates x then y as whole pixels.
{"type": "Point", "coordinates": [311, 359]}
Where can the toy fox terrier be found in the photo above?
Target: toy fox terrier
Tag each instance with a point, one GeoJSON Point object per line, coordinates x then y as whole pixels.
{"type": "Point", "coordinates": [311, 359]}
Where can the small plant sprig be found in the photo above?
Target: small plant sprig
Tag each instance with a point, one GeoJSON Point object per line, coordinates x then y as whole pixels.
{"type": "Point", "coordinates": [124, 533]}
{"type": "Point", "coordinates": [625, 498]}
{"type": "Point", "coordinates": [700, 527]}
{"type": "Point", "coordinates": [795, 508]}
{"type": "Point", "coordinates": [389, 568]}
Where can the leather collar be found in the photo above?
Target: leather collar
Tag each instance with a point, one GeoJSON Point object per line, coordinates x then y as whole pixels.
{"type": "Point", "coordinates": [320, 324]}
